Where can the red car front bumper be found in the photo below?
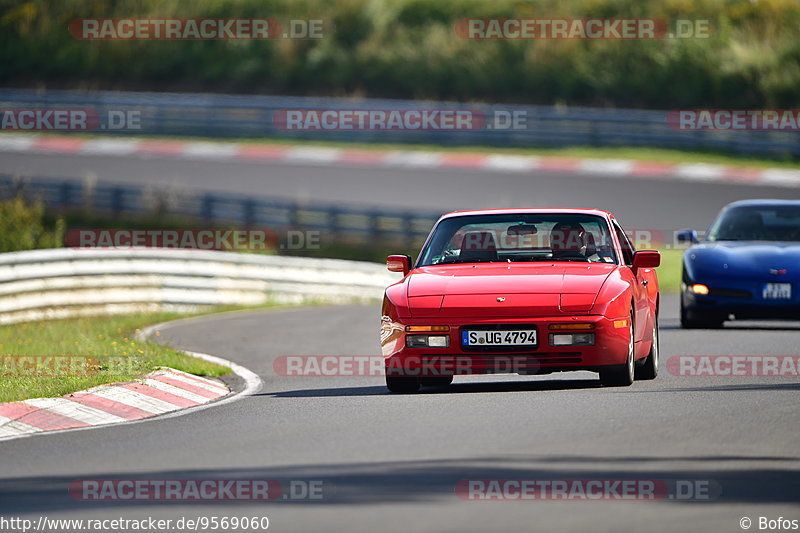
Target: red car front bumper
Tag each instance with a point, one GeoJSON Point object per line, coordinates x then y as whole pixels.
{"type": "Point", "coordinates": [612, 337]}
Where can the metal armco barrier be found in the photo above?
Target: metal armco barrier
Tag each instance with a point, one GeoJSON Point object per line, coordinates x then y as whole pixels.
{"type": "Point", "coordinates": [338, 222]}
{"type": "Point", "coordinates": [257, 116]}
{"type": "Point", "coordinates": [59, 283]}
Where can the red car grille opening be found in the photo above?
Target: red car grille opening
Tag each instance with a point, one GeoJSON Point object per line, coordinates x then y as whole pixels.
{"type": "Point", "coordinates": [495, 363]}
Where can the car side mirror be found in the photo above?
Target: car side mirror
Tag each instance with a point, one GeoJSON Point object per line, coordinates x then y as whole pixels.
{"type": "Point", "coordinates": [399, 263]}
{"type": "Point", "coordinates": [646, 259]}
{"type": "Point", "coordinates": [686, 235]}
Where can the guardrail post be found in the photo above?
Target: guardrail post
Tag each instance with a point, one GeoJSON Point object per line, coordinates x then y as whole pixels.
{"type": "Point", "coordinates": [207, 208]}
{"type": "Point", "coordinates": [87, 191]}
{"type": "Point", "coordinates": [65, 194]}
{"type": "Point", "coordinates": [249, 211]}
{"type": "Point", "coordinates": [408, 230]}
{"type": "Point", "coordinates": [294, 215]}
{"type": "Point", "coordinates": [333, 223]}
{"type": "Point", "coordinates": [117, 201]}
{"type": "Point", "coordinates": [374, 231]}
{"type": "Point", "coordinates": [594, 137]}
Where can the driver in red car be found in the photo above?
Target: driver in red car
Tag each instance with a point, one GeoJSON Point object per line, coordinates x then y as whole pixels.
{"type": "Point", "coordinates": [569, 239]}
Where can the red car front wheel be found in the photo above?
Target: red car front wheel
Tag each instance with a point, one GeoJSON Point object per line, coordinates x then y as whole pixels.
{"type": "Point", "coordinates": [649, 368]}
{"type": "Point", "coordinates": [437, 381]}
{"type": "Point", "coordinates": [621, 375]}
{"type": "Point", "coordinates": [402, 383]}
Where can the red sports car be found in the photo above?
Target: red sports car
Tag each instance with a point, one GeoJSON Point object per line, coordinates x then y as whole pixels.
{"type": "Point", "coordinates": [525, 291]}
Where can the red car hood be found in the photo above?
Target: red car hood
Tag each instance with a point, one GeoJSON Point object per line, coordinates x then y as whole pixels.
{"type": "Point", "coordinates": [505, 289]}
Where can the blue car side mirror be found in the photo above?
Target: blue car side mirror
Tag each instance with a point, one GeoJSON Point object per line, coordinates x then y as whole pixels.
{"type": "Point", "coordinates": [686, 236]}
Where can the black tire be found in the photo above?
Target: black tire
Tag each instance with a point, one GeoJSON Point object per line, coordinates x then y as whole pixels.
{"type": "Point", "coordinates": [649, 368]}
{"type": "Point", "coordinates": [437, 381]}
{"type": "Point", "coordinates": [621, 375]}
{"type": "Point", "coordinates": [402, 384]}
{"type": "Point", "coordinates": [711, 321]}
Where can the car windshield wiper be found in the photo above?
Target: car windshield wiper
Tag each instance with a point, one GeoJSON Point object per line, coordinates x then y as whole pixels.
{"type": "Point", "coordinates": [474, 261]}
{"type": "Point", "coordinates": [552, 260]}
{"type": "Point", "coordinates": [527, 259]}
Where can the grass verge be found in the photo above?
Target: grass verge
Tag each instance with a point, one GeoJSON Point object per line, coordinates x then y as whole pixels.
{"type": "Point", "coordinates": [88, 351]}
{"type": "Point", "coordinates": [669, 273]}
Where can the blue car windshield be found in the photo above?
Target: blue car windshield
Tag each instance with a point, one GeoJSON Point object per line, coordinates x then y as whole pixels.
{"type": "Point", "coordinates": [780, 223]}
{"type": "Point", "coordinates": [523, 237]}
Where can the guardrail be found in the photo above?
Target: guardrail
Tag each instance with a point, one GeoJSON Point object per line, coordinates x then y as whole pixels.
{"type": "Point", "coordinates": [59, 283]}
{"type": "Point", "coordinates": [254, 116]}
{"type": "Point", "coordinates": [338, 222]}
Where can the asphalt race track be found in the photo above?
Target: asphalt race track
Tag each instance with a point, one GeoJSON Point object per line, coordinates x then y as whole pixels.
{"type": "Point", "coordinates": [639, 203]}
{"type": "Point", "coordinates": [392, 462]}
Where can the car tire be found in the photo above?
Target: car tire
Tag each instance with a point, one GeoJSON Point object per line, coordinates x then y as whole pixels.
{"type": "Point", "coordinates": [621, 375]}
{"type": "Point", "coordinates": [438, 381]}
{"type": "Point", "coordinates": [402, 384]}
{"type": "Point", "coordinates": [649, 368]}
{"type": "Point", "coordinates": [689, 322]}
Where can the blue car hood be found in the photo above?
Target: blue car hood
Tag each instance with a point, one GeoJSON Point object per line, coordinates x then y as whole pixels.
{"type": "Point", "coordinates": [743, 259]}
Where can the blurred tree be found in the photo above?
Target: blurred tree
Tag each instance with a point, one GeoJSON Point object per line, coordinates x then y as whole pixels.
{"type": "Point", "coordinates": [22, 227]}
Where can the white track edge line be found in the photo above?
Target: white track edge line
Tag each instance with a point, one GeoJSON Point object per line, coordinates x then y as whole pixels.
{"type": "Point", "coordinates": [252, 384]}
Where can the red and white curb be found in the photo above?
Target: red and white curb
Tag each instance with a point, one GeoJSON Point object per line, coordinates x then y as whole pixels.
{"type": "Point", "coordinates": [163, 391]}
{"type": "Point", "coordinates": [418, 159]}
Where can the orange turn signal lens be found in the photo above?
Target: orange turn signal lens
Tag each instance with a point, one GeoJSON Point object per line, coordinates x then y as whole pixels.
{"type": "Point", "coordinates": [427, 329]}
{"type": "Point", "coordinates": [571, 327]}
{"type": "Point", "coordinates": [621, 323]}
{"type": "Point", "coordinates": [698, 288]}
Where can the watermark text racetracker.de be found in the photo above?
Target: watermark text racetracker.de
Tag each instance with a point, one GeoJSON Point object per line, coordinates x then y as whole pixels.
{"type": "Point", "coordinates": [581, 28]}
{"type": "Point", "coordinates": [330, 366]}
{"type": "Point", "coordinates": [734, 119]}
{"type": "Point", "coordinates": [732, 366]}
{"type": "Point", "coordinates": [200, 490]}
{"type": "Point", "coordinates": [587, 490]}
{"type": "Point", "coordinates": [220, 239]}
{"type": "Point", "coordinates": [67, 120]}
{"type": "Point", "coordinates": [59, 366]}
{"type": "Point", "coordinates": [192, 29]}
{"type": "Point", "coordinates": [419, 119]}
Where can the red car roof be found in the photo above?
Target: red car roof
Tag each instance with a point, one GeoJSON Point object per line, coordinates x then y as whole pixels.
{"type": "Point", "coordinates": [511, 211]}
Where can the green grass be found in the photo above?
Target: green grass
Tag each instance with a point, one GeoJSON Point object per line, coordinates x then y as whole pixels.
{"type": "Point", "coordinates": [104, 351]}
{"type": "Point", "coordinates": [669, 273]}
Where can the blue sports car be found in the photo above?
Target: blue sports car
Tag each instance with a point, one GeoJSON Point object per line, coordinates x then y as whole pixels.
{"type": "Point", "coordinates": [746, 267]}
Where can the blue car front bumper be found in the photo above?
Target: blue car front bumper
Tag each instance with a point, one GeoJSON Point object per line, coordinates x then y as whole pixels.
{"type": "Point", "coordinates": [743, 299]}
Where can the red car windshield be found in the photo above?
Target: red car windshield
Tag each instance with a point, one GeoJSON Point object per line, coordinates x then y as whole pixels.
{"type": "Point", "coordinates": [519, 238]}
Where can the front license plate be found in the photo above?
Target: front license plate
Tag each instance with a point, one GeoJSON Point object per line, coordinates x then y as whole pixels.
{"type": "Point", "coordinates": [514, 337]}
{"type": "Point", "coordinates": [777, 291]}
